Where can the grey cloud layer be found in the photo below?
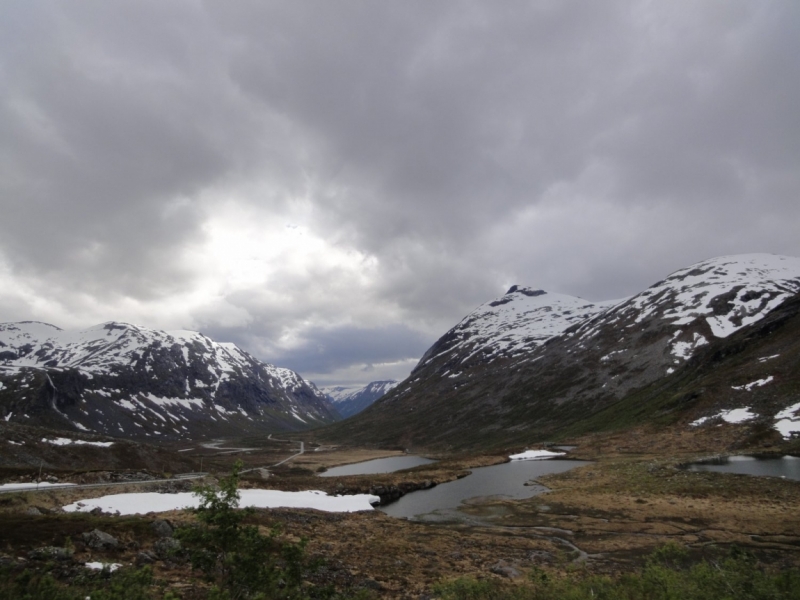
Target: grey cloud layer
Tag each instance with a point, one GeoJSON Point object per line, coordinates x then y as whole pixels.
{"type": "Point", "coordinates": [584, 147]}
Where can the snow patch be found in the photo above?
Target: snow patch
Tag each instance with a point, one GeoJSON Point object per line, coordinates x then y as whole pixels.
{"type": "Point", "coordinates": [749, 386]}
{"type": "Point", "coordinates": [684, 349]}
{"type": "Point", "coordinates": [68, 442]}
{"type": "Point", "coordinates": [32, 485]}
{"type": "Point", "coordinates": [189, 403]}
{"type": "Point", "coordinates": [98, 566]}
{"type": "Point", "coordinates": [139, 503]}
{"type": "Point", "coordinates": [788, 421]}
{"type": "Point", "coordinates": [734, 416]}
{"type": "Point", "coordinates": [535, 455]}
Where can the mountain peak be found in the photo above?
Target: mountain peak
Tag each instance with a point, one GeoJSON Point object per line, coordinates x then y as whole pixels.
{"type": "Point", "coordinates": [526, 366]}
{"type": "Point", "coordinates": [525, 291]}
{"type": "Point", "coordinates": [115, 377]}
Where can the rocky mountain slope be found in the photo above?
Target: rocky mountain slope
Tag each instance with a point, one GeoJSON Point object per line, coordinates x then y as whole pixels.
{"type": "Point", "coordinates": [128, 381]}
{"type": "Point", "coordinates": [532, 365]}
{"type": "Point", "coordinates": [352, 400]}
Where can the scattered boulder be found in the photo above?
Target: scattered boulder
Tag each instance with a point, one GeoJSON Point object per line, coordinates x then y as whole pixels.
{"type": "Point", "coordinates": [504, 569]}
{"type": "Point", "coordinates": [32, 511]}
{"type": "Point", "coordinates": [162, 528]}
{"type": "Point", "coordinates": [540, 556]}
{"type": "Point", "coordinates": [166, 547]}
{"type": "Point", "coordinates": [145, 558]}
{"type": "Point", "coordinates": [371, 584]}
{"type": "Point", "coordinates": [100, 540]}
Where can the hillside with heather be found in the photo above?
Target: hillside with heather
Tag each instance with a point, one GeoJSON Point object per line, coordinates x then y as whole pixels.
{"type": "Point", "coordinates": [534, 366]}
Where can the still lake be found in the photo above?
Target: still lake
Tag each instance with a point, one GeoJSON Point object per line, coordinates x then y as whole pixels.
{"type": "Point", "coordinates": [498, 481]}
{"type": "Point", "coordinates": [784, 466]}
{"type": "Point", "coordinates": [379, 465]}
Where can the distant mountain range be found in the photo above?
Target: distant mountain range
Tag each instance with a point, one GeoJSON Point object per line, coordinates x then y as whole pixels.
{"type": "Point", "coordinates": [352, 400]}
{"type": "Point", "coordinates": [128, 381]}
{"type": "Point", "coordinates": [533, 366]}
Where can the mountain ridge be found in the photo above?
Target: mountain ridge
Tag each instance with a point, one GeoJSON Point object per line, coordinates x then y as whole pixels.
{"type": "Point", "coordinates": [351, 400]}
{"type": "Point", "coordinates": [148, 383]}
{"type": "Point", "coordinates": [480, 388]}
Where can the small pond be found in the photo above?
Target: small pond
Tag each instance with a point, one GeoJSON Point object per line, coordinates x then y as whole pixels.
{"type": "Point", "coordinates": [784, 466]}
{"type": "Point", "coordinates": [498, 481]}
{"type": "Point", "coordinates": [379, 465]}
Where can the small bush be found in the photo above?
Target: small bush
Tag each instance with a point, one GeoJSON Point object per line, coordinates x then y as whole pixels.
{"type": "Point", "coordinates": [238, 559]}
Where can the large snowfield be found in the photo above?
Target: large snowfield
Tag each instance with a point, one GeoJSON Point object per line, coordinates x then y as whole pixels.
{"type": "Point", "coordinates": [145, 502]}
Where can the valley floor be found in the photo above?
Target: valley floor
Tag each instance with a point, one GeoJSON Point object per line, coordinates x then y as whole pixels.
{"type": "Point", "coordinates": [604, 517]}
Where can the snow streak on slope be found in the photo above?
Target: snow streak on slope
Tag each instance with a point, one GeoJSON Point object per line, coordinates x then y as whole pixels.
{"type": "Point", "coordinates": [340, 393]}
{"type": "Point", "coordinates": [343, 393]}
{"type": "Point", "coordinates": [730, 292]}
{"type": "Point", "coordinates": [170, 375]}
{"type": "Point", "coordinates": [725, 294]}
{"type": "Point", "coordinates": [103, 349]}
{"type": "Point", "coordinates": [517, 323]}
{"type": "Point", "coordinates": [532, 364]}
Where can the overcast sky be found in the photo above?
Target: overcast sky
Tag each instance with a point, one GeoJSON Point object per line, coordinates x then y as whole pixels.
{"type": "Point", "coordinates": [334, 184]}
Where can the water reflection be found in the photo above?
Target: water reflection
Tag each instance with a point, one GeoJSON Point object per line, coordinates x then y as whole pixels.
{"type": "Point", "coordinates": [784, 466]}
{"type": "Point", "coordinates": [506, 481]}
{"type": "Point", "coordinates": [379, 465]}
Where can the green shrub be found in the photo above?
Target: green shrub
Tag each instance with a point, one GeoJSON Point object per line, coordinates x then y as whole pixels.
{"type": "Point", "coordinates": [238, 559]}
{"type": "Point", "coordinates": [125, 584]}
{"type": "Point", "coordinates": [667, 575]}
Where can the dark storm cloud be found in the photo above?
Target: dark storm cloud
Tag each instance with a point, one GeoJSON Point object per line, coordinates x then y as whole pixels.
{"type": "Point", "coordinates": [437, 120]}
{"type": "Point", "coordinates": [583, 147]}
{"type": "Point", "coordinates": [448, 112]}
{"type": "Point", "coordinates": [326, 350]}
{"type": "Point", "coordinates": [115, 119]}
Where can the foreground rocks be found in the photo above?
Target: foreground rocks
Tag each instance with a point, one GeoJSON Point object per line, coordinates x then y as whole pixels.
{"type": "Point", "coordinates": [100, 540]}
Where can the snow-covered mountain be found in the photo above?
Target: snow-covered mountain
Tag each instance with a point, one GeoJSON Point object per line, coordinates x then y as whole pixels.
{"type": "Point", "coordinates": [513, 325]}
{"type": "Point", "coordinates": [130, 381]}
{"type": "Point", "coordinates": [352, 400]}
{"type": "Point", "coordinates": [530, 363]}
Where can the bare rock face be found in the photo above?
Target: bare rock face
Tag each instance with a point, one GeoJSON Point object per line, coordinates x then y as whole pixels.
{"type": "Point", "coordinates": [504, 569]}
{"type": "Point", "coordinates": [100, 540]}
{"type": "Point", "coordinates": [162, 528]}
{"type": "Point", "coordinates": [145, 558]}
